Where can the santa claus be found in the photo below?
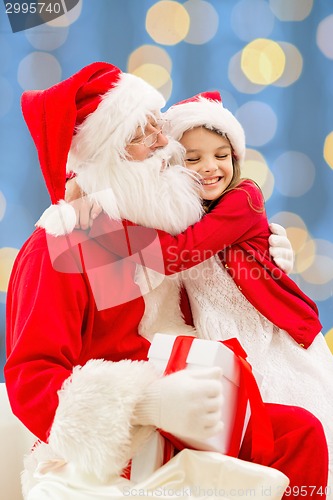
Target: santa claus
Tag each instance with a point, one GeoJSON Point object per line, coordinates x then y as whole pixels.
{"type": "Point", "coordinates": [80, 319]}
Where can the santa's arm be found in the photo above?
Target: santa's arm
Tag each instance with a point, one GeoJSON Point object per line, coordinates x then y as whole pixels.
{"type": "Point", "coordinates": [82, 410]}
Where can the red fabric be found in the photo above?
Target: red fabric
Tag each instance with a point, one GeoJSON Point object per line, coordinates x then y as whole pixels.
{"type": "Point", "coordinates": [53, 114]}
{"type": "Point", "coordinates": [185, 307]}
{"type": "Point", "coordinates": [239, 234]}
{"type": "Point", "coordinates": [262, 437]}
{"type": "Point", "coordinates": [299, 440]}
{"type": "Point", "coordinates": [70, 175]}
{"type": "Point", "coordinates": [178, 357]}
{"type": "Point", "coordinates": [53, 323]}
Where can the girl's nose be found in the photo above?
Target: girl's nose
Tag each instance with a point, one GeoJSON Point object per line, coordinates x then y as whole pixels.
{"type": "Point", "coordinates": [162, 141]}
{"type": "Point", "coordinates": [210, 165]}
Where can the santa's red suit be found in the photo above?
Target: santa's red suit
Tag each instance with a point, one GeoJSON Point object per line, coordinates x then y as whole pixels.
{"type": "Point", "coordinates": [77, 323]}
{"type": "Point", "coordinates": [59, 341]}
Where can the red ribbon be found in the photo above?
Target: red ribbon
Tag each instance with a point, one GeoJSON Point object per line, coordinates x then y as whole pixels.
{"type": "Point", "coordinates": [262, 433]}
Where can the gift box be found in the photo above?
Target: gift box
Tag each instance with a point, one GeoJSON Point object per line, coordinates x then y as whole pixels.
{"type": "Point", "coordinates": [148, 459]}
{"type": "Point", "coordinates": [241, 393]}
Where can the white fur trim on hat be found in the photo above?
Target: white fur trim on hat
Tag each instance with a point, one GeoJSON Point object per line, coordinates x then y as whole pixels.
{"type": "Point", "coordinates": [122, 109]}
{"type": "Point", "coordinates": [58, 219]}
{"type": "Point", "coordinates": [209, 113]}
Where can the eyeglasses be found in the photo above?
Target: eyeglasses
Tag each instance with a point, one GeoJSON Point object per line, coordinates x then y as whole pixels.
{"type": "Point", "coordinates": [148, 141]}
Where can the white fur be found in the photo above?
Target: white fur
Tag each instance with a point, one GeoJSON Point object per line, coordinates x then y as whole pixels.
{"type": "Point", "coordinates": [113, 124]}
{"type": "Point", "coordinates": [58, 219]}
{"type": "Point", "coordinates": [41, 452]}
{"type": "Point", "coordinates": [92, 425]}
{"type": "Point", "coordinates": [151, 193]}
{"type": "Point", "coordinates": [164, 199]}
{"type": "Point", "coordinates": [162, 305]}
{"type": "Point", "coordinates": [121, 110]}
{"type": "Point", "coordinates": [205, 112]}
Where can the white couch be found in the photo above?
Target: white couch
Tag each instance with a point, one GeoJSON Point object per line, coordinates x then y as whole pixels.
{"type": "Point", "coordinates": [15, 442]}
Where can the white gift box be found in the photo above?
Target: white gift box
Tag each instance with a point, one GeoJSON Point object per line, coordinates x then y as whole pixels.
{"type": "Point", "coordinates": [206, 353]}
{"type": "Point", "coordinates": [148, 459]}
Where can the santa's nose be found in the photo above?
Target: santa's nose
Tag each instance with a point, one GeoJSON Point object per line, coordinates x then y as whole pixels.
{"type": "Point", "coordinates": [162, 141]}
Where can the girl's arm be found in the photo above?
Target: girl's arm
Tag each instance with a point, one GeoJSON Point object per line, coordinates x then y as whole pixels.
{"type": "Point", "coordinates": [239, 216]}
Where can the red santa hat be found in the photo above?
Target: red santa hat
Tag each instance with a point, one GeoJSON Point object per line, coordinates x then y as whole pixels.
{"type": "Point", "coordinates": [206, 109]}
{"type": "Point", "coordinates": [97, 105]}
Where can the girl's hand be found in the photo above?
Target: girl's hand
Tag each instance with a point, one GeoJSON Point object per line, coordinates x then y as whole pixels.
{"type": "Point", "coordinates": [280, 248]}
{"type": "Point", "coordinates": [86, 210]}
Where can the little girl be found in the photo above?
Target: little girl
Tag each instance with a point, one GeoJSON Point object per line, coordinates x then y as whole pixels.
{"type": "Point", "coordinates": [240, 292]}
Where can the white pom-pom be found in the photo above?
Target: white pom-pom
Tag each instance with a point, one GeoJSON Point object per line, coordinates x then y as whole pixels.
{"type": "Point", "coordinates": [59, 219]}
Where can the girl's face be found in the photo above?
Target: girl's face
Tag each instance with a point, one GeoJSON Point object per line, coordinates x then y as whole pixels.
{"type": "Point", "coordinates": [210, 155]}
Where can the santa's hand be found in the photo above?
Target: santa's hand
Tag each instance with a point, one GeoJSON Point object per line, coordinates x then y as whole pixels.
{"type": "Point", "coordinates": [187, 403]}
{"type": "Point", "coordinates": [280, 248]}
{"type": "Point", "coordinates": [86, 210]}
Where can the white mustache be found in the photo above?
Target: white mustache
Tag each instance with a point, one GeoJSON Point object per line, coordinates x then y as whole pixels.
{"type": "Point", "coordinates": [171, 154]}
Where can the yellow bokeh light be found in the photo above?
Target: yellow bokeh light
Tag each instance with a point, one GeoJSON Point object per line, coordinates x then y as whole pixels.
{"type": "Point", "coordinates": [153, 73]}
{"type": "Point", "coordinates": [157, 76]}
{"type": "Point", "coordinates": [239, 80]}
{"type": "Point", "coordinates": [263, 61]}
{"type": "Point", "coordinates": [289, 219]}
{"type": "Point", "coordinates": [297, 233]}
{"type": "Point", "coordinates": [305, 256]}
{"type": "Point", "coordinates": [328, 150]}
{"type": "Point", "coordinates": [167, 22]}
{"type": "Point", "coordinates": [7, 257]}
{"type": "Point", "coordinates": [149, 54]}
{"type": "Point", "coordinates": [329, 339]}
{"type": "Point", "coordinates": [293, 67]}
{"type": "Point", "coordinates": [298, 236]}
{"type": "Point", "coordinates": [256, 168]}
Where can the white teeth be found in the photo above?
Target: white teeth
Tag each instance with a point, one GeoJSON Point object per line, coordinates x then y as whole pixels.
{"type": "Point", "coordinates": [210, 181]}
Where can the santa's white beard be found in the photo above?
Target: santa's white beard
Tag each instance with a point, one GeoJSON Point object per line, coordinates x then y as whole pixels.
{"type": "Point", "coordinates": [154, 193]}
{"type": "Point", "coordinates": [151, 193]}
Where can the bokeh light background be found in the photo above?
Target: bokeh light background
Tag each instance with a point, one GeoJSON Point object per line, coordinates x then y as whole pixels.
{"type": "Point", "coordinates": [272, 61]}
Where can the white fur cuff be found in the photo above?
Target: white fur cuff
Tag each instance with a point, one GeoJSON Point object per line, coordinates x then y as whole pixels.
{"type": "Point", "coordinates": [92, 425]}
